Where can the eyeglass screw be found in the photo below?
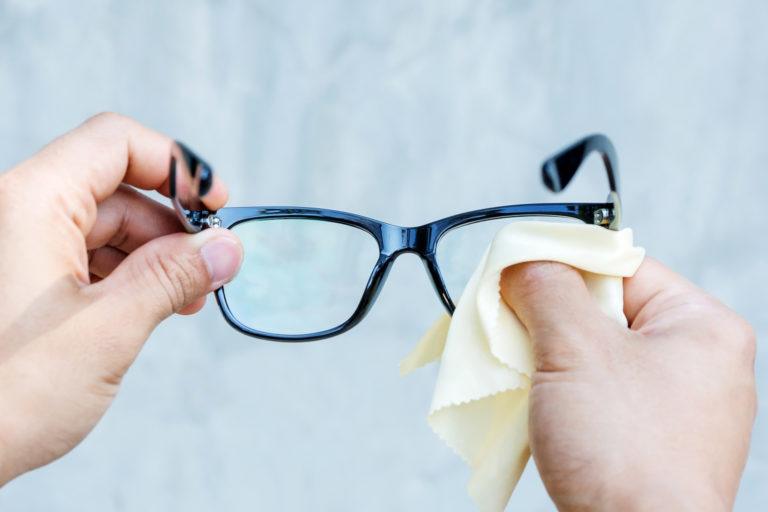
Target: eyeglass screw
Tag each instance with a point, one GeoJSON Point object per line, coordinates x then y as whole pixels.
{"type": "Point", "coordinates": [212, 221]}
{"type": "Point", "coordinates": [602, 216]}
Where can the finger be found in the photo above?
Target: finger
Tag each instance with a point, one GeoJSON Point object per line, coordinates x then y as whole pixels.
{"type": "Point", "coordinates": [652, 284]}
{"type": "Point", "coordinates": [193, 308]}
{"type": "Point", "coordinates": [104, 260]}
{"type": "Point", "coordinates": [553, 303]}
{"type": "Point", "coordinates": [103, 152]}
{"type": "Point", "coordinates": [217, 196]}
{"type": "Point", "coordinates": [547, 296]}
{"type": "Point", "coordinates": [170, 274]}
{"type": "Point", "coordinates": [128, 219]}
{"type": "Point", "coordinates": [214, 198]}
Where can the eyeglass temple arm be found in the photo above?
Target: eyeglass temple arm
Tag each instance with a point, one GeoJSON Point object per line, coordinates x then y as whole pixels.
{"type": "Point", "coordinates": [187, 202]}
{"type": "Point", "coordinates": [558, 170]}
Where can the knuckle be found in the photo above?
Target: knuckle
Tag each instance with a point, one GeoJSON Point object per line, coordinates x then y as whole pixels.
{"type": "Point", "coordinates": [109, 129]}
{"type": "Point", "coordinates": [106, 118]}
{"type": "Point", "coordinates": [107, 133]}
{"type": "Point", "coordinates": [729, 331]}
{"type": "Point", "coordinates": [123, 232]}
{"type": "Point", "coordinates": [556, 349]}
{"type": "Point", "coordinates": [558, 355]}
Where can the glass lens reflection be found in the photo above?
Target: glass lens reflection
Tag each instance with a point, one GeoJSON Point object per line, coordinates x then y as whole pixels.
{"type": "Point", "coordinates": [300, 276]}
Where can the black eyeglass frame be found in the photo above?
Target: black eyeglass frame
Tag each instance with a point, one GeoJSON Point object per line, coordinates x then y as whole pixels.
{"type": "Point", "coordinates": [393, 240]}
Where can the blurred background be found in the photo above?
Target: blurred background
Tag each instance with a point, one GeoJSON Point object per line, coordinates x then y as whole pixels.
{"type": "Point", "coordinates": [404, 111]}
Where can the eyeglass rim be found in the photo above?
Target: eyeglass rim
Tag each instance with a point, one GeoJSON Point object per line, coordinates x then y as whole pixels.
{"type": "Point", "coordinates": [557, 172]}
{"type": "Point", "coordinates": [392, 241]}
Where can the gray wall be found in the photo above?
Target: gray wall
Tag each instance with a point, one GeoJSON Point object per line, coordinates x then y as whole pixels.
{"type": "Point", "coordinates": [406, 111]}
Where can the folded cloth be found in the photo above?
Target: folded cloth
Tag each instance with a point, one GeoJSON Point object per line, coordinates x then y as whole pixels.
{"type": "Point", "coordinates": [480, 403]}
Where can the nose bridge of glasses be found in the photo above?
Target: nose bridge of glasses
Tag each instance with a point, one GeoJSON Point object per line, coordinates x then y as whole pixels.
{"type": "Point", "coordinates": [398, 240]}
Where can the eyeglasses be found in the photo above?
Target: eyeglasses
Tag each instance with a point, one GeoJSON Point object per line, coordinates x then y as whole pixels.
{"type": "Point", "coordinates": [312, 273]}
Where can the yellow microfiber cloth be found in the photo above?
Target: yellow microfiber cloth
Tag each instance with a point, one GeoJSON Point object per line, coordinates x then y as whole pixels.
{"type": "Point", "coordinates": [480, 403]}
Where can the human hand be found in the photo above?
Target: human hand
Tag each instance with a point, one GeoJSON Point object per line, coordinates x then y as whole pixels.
{"type": "Point", "coordinates": [656, 416]}
{"type": "Point", "coordinates": [88, 268]}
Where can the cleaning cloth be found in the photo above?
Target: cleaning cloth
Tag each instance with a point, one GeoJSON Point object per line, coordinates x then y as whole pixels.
{"type": "Point", "coordinates": [480, 402]}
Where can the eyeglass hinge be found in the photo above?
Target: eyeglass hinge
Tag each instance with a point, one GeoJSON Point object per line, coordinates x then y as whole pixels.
{"type": "Point", "coordinates": [610, 217]}
{"type": "Point", "coordinates": [602, 217]}
{"type": "Point", "coordinates": [203, 219]}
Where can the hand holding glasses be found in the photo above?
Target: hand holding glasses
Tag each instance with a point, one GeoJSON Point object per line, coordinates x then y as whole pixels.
{"type": "Point", "coordinates": [312, 273]}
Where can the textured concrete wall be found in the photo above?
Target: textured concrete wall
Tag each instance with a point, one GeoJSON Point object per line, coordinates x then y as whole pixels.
{"type": "Point", "coordinates": [405, 111]}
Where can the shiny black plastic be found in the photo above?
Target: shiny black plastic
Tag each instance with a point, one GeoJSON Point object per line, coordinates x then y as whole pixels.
{"type": "Point", "coordinates": [393, 240]}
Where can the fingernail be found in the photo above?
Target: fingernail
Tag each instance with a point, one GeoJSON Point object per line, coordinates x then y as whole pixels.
{"type": "Point", "coordinates": [222, 256]}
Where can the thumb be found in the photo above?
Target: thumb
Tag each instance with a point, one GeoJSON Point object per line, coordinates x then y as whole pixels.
{"type": "Point", "coordinates": [552, 300]}
{"type": "Point", "coordinates": [169, 273]}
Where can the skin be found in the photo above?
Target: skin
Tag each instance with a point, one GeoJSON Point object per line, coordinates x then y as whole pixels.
{"type": "Point", "coordinates": [656, 416]}
{"type": "Point", "coordinates": [89, 268]}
